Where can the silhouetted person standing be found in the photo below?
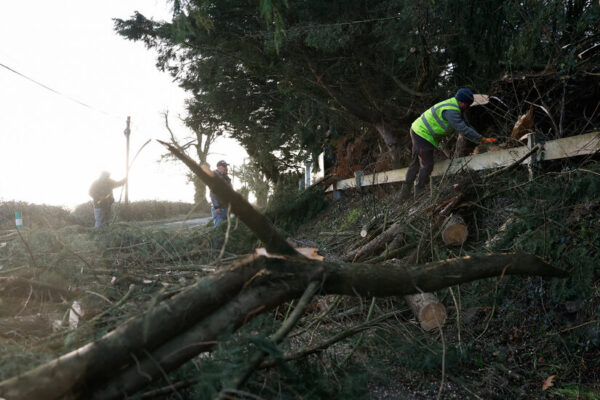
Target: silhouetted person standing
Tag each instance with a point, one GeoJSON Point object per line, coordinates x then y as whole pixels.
{"type": "Point", "coordinates": [218, 208]}
{"type": "Point", "coordinates": [101, 192]}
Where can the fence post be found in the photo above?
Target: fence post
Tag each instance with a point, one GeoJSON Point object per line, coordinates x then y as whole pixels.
{"type": "Point", "coordinates": [307, 165]}
{"type": "Point", "coordinates": [358, 175]}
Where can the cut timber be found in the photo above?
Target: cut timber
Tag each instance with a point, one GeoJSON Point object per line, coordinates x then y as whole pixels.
{"type": "Point", "coordinates": [523, 125]}
{"type": "Point", "coordinates": [428, 310]}
{"type": "Point", "coordinates": [455, 231]}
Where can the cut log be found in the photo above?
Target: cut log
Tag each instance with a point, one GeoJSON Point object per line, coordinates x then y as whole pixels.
{"type": "Point", "coordinates": [523, 125]}
{"type": "Point", "coordinates": [375, 221]}
{"type": "Point", "coordinates": [455, 231]}
{"type": "Point", "coordinates": [430, 313]}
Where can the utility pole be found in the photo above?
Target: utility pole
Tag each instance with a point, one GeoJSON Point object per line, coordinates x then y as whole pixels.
{"type": "Point", "coordinates": [127, 132]}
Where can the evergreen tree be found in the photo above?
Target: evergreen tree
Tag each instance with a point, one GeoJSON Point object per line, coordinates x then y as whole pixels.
{"type": "Point", "coordinates": [279, 75]}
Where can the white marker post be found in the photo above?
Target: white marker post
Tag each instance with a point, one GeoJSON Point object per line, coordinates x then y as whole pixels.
{"type": "Point", "coordinates": [19, 220]}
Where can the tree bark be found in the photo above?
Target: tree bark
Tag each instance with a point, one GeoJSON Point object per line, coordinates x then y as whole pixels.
{"type": "Point", "coordinates": [258, 223]}
{"type": "Point", "coordinates": [187, 324]}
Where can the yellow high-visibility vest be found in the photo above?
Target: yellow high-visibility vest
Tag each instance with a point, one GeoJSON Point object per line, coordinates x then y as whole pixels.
{"type": "Point", "coordinates": [431, 124]}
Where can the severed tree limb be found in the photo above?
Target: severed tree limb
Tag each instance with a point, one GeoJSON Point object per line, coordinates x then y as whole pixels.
{"type": "Point", "coordinates": [377, 243]}
{"type": "Point", "coordinates": [258, 223]}
{"type": "Point", "coordinates": [295, 273]}
{"type": "Point", "coordinates": [72, 370]}
{"type": "Point", "coordinates": [228, 299]}
{"type": "Point", "coordinates": [281, 333]}
{"type": "Point", "coordinates": [201, 338]}
{"type": "Point", "coordinates": [271, 362]}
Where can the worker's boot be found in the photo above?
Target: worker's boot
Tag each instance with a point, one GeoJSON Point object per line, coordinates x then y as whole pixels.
{"type": "Point", "coordinates": [406, 192]}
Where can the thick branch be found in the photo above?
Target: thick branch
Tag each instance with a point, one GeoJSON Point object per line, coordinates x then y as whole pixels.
{"type": "Point", "coordinates": [282, 280]}
{"type": "Point", "coordinates": [70, 371]}
{"type": "Point", "coordinates": [258, 223]}
{"type": "Point", "coordinates": [254, 286]}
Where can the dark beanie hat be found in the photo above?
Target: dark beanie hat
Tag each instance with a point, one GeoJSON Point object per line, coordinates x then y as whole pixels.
{"type": "Point", "coordinates": [464, 95]}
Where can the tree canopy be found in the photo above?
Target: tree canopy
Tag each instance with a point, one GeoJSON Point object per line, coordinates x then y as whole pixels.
{"type": "Point", "coordinates": [283, 77]}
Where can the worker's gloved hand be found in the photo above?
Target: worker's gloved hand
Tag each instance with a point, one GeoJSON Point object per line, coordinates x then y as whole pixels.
{"type": "Point", "coordinates": [488, 140]}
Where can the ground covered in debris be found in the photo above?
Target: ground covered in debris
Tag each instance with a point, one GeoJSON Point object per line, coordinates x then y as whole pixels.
{"type": "Point", "coordinates": [506, 337]}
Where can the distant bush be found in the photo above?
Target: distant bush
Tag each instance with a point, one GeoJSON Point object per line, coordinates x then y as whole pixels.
{"type": "Point", "coordinates": [34, 215]}
{"type": "Point", "coordinates": [83, 214]}
{"type": "Point", "coordinates": [37, 216]}
{"type": "Point", "coordinates": [288, 208]}
{"type": "Point", "coordinates": [146, 210]}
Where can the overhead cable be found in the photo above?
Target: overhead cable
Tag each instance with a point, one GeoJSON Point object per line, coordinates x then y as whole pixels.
{"type": "Point", "coordinates": [55, 91]}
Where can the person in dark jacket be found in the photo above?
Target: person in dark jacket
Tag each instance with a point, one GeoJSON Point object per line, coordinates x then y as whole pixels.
{"type": "Point", "coordinates": [218, 208]}
{"type": "Point", "coordinates": [426, 132]}
{"type": "Point", "coordinates": [101, 193]}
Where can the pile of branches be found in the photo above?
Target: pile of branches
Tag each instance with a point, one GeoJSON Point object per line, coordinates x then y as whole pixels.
{"type": "Point", "coordinates": [181, 326]}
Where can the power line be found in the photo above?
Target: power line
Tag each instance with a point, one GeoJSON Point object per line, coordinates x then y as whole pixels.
{"type": "Point", "coordinates": [56, 91]}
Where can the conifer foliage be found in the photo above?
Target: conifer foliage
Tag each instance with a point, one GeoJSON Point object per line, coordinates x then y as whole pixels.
{"type": "Point", "coordinates": [284, 77]}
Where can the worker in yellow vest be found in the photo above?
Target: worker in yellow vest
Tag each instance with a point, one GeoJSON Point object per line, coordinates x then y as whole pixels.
{"type": "Point", "coordinates": [426, 132]}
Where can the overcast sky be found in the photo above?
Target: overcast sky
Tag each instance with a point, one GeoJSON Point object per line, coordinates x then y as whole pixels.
{"type": "Point", "coordinates": [51, 146]}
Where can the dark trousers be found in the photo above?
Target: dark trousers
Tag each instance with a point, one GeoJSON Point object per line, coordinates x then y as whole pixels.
{"type": "Point", "coordinates": [421, 161]}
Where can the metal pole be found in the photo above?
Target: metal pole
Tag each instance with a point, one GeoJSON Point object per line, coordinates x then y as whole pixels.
{"type": "Point", "coordinates": [127, 133]}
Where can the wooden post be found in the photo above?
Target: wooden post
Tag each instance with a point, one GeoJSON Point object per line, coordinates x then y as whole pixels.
{"type": "Point", "coordinates": [127, 133]}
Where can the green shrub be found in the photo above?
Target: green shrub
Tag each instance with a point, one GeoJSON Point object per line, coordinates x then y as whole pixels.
{"type": "Point", "coordinates": [34, 215]}
{"type": "Point", "coordinates": [146, 210]}
{"type": "Point", "coordinates": [288, 208]}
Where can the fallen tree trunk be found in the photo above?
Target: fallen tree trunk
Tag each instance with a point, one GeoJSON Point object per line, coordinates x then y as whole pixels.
{"type": "Point", "coordinates": [187, 324]}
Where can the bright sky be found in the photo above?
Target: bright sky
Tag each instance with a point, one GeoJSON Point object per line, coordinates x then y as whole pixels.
{"type": "Point", "coordinates": [52, 147]}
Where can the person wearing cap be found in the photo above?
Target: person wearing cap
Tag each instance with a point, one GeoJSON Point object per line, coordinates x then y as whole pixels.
{"type": "Point", "coordinates": [218, 208]}
{"type": "Point", "coordinates": [426, 133]}
{"type": "Point", "coordinates": [101, 193]}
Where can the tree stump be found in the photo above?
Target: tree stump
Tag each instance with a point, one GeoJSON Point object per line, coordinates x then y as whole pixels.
{"type": "Point", "coordinates": [430, 313]}
{"type": "Point", "coordinates": [455, 231]}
